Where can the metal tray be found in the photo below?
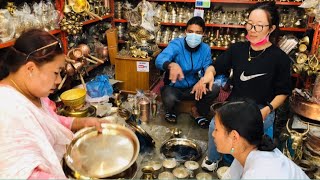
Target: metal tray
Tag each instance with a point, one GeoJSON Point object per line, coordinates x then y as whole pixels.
{"type": "Point", "coordinates": [99, 155]}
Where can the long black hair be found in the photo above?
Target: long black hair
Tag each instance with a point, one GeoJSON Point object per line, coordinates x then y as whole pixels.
{"type": "Point", "coordinates": [244, 116]}
{"type": "Point", "coordinates": [273, 17]}
{"type": "Point", "coordinates": [29, 41]}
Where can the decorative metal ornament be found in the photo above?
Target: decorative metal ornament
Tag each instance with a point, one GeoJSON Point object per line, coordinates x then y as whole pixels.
{"type": "Point", "coordinates": [302, 58]}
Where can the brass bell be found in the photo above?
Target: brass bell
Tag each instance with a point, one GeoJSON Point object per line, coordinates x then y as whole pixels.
{"type": "Point", "coordinates": [305, 67]}
{"type": "Point", "coordinates": [305, 40]}
{"type": "Point", "coordinates": [302, 48]}
{"type": "Point", "coordinates": [297, 68]}
{"type": "Point", "coordinates": [302, 58]}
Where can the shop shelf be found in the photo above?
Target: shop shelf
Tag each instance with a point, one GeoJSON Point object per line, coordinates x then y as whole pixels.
{"type": "Point", "coordinates": [96, 19]}
{"type": "Point", "coordinates": [162, 45]}
{"type": "Point", "coordinates": [234, 26]}
{"type": "Point", "coordinates": [219, 48]}
{"type": "Point", "coordinates": [232, 2]}
{"type": "Point", "coordinates": [225, 25]}
{"type": "Point", "coordinates": [173, 24]}
{"type": "Point", "coordinates": [120, 20]}
{"type": "Point", "coordinates": [11, 42]}
{"type": "Point", "coordinates": [293, 29]}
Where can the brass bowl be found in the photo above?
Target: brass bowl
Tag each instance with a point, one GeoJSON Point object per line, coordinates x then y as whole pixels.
{"type": "Point", "coordinates": [74, 98]}
{"type": "Point", "coordinates": [181, 149]}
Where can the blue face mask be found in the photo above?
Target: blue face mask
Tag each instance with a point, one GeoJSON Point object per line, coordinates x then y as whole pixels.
{"type": "Point", "coordinates": [193, 39]}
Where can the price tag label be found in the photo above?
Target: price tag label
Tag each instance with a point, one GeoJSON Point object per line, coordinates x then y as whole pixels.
{"type": "Point", "coordinates": [198, 12]}
{"type": "Point", "coordinates": [142, 66]}
{"type": "Point", "coordinates": [202, 3]}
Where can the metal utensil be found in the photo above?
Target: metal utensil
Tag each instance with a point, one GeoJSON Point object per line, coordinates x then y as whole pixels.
{"type": "Point", "coordinates": [82, 5]}
{"type": "Point", "coordinates": [86, 52]}
{"type": "Point", "coordinates": [99, 155]}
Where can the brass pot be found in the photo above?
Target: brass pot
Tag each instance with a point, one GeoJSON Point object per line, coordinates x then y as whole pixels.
{"type": "Point", "coordinates": [306, 109]}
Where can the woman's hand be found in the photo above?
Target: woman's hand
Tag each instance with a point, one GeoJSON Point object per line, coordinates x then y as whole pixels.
{"type": "Point", "coordinates": [79, 123]}
{"type": "Point", "coordinates": [265, 112]}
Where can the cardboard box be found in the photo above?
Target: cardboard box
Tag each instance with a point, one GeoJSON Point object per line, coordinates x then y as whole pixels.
{"type": "Point", "coordinates": [112, 37]}
{"type": "Point", "coordinates": [113, 51]}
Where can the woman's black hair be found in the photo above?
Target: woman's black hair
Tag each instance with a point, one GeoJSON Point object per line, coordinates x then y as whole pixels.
{"type": "Point", "coordinates": [273, 16]}
{"type": "Point", "coordinates": [244, 116]}
{"type": "Point", "coordinates": [198, 21]}
{"type": "Point", "coordinates": [29, 41]}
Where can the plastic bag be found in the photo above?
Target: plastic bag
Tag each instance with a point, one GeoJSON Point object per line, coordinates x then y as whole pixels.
{"type": "Point", "coordinates": [99, 87]}
{"type": "Point", "coordinates": [220, 80]}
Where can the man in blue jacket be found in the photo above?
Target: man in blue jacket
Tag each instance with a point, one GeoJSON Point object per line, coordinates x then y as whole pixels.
{"type": "Point", "coordinates": [184, 61]}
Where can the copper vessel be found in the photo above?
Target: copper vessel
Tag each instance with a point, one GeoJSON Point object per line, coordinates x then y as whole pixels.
{"type": "Point", "coordinates": [144, 106]}
{"type": "Point", "coordinates": [304, 108]}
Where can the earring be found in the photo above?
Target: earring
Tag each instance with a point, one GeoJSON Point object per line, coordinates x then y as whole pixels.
{"type": "Point", "coordinates": [232, 150]}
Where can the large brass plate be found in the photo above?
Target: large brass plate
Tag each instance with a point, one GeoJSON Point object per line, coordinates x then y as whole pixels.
{"type": "Point", "coordinates": [99, 155]}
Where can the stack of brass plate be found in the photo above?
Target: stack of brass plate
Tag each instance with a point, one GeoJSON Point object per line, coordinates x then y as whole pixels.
{"type": "Point", "coordinates": [92, 154]}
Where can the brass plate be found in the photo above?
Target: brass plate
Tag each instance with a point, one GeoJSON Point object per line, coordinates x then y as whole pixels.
{"type": "Point", "coordinates": [100, 155]}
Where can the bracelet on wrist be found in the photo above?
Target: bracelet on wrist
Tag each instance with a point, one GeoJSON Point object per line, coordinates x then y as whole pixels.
{"type": "Point", "coordinates": [270, 106]}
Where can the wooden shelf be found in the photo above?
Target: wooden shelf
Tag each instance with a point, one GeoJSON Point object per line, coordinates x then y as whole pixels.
{"type": "Point", "coordinates": [120, 20]}
{"type": "Point", "coordinates": [232, 2]}
{"type": "Point", "coordinates": [293, 29]}
{"type": "Point", "coordinates": [212, 47]}
{"type": "Point", "coordinates": [11, 42]}
{"type": "Point", "coordinates": [173, 24]}
{"type": "Point", "coordinates": [225, 25]}
{"type": "Point", "coordinates": [96, 19]}
{"type": "Point", "coordinates": [219, 48]}
{"type": "Point", "coordinates": [234, 26]}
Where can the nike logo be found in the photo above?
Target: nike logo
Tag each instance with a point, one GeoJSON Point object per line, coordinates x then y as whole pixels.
{"type": "Point", "coordinates": [247, 78]}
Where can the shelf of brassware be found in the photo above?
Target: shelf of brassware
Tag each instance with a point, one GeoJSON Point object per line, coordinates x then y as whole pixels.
{"type": "Point", "coordinates": [96, 19]}
{"type": "Point", "coordinates": [11, 42]}
{"type": "Point", "coordinates": [291, 29]}
{"type": "Point", "coordinates": [232, 2]}
{"type": "Point", "coordinates": [162, 45]}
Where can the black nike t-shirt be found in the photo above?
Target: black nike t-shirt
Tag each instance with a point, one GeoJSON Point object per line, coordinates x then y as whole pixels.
{"type": "Point", "coordinates": [262, 78]}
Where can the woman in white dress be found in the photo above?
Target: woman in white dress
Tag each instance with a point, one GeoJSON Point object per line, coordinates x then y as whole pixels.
{"type": "Point", "coordinates": [239, 132]}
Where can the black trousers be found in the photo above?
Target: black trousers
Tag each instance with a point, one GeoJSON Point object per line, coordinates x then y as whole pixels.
{"type": "Point", "coordinates": [171, 96]}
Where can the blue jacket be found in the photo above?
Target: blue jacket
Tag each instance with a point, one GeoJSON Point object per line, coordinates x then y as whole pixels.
{"type": "Point", "coordinates": [191, 63]}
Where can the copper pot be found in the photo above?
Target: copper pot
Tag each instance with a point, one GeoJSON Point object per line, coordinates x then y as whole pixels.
{"type": "Point", "coordinates": [70, 69]}
{"type": "Point", "coordinates": [86, 52]}
{"type": "Point", "coordinates": [306, 109]}
{"type": "Point", "coordinates": [102, 52]}
{"type": "Point", "coordinates": [75, 54]}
